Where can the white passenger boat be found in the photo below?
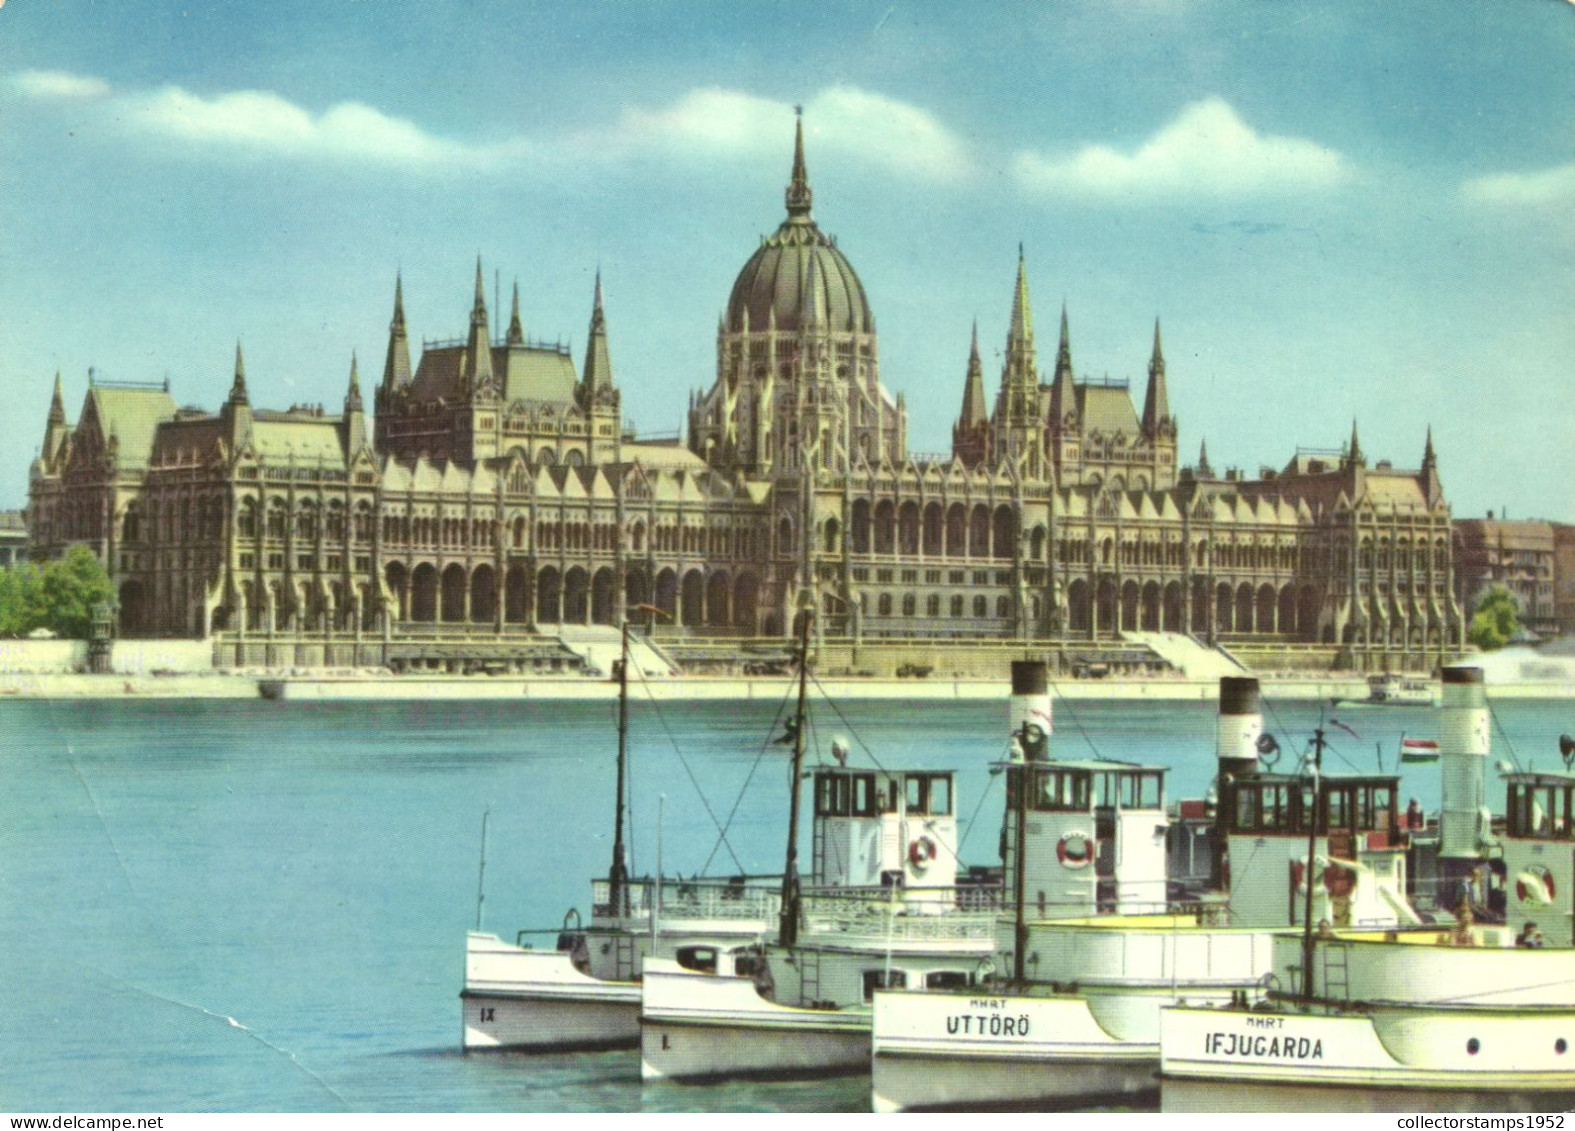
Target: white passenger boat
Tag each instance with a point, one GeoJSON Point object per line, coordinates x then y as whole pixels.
{"type": "Point", "coordinates": [585, 992]}
{"type": "Point", "coordinates": [1391, 690]}
{"type": "Point", "coordinates": [1075, 1019]}
{"type": "Point", "coordinates": [892, 833]}
{"type": "Point", "coordinates": [1469, 1008]}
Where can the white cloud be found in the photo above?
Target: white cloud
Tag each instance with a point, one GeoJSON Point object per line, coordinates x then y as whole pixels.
{"type": "Point", "coordinates": [1206, 151]}
{"type": "Point", "coordinates": [1542, 186]}
{"type": "Point", "coordinates": [844, 119]}
{"type": "Point", "coordinates": [262, 122]}
{"type": "Point", "coordinates": [59, 84]}
{"type": "Point", "coordinates": [703, 125]}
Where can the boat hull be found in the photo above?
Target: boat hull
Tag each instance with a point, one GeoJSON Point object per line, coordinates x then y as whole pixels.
{"type": "Point", "coordinates": [696, 1027]}
{"type": "Point", "coordinates": [553, 1024]}
{"type": "Point", "coordinates": [954, 1051]}
{"type": "Point", "coordinates": [1424, 1049]}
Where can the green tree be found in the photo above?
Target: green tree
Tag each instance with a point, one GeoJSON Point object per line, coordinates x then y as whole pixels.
{"type": "Point", "coordinates": [58, 596]}
{"type": "Point", "coordinates": [18, 599]}
{"type": "Point", "coordinates": [1496, 621]}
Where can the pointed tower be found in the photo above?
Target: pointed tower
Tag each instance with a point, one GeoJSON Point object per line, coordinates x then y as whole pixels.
{"type": "Point", "coordinates": [1156, 404]}
{"type": "Point", "coordinates": [237, 411]}
{"type": "Point", "coordinates": [56, 429]}
{"type": "Point", "coordinates": [516, 328]}
{"type": "Point", "coordinates": [1203, 470]}
{"type": "Point", "coordinates": [1017, 429]}
{"type": "Point", "coordinates": [798, 197]}
{"type": "Point", "coordinates": [597, 380]}
{"type": "Point", "coordinates": [478, 347]}
{"type": "Point", "coordinates": [396, 368]}
{"type": "Point", "coordinates": [1432, 485]}
{"type": "Point", "coordinates": [1354, 456]}
{"type": "Point", "coordinates": [238, 385]}
{"type": "Point", "coordinates": [355, 415]}
{"type": "Point", "coordinates": [971, 433]}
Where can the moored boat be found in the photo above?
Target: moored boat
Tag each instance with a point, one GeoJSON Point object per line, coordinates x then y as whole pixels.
{"type": "Point", "coordinates": [585, 992]}
{"type": "Point", "coordinates": [1087, 993]}
{"type": "Point", "coordinates": [909, 924]}
{"type": "Point", "coordinates": [1470, 1008]}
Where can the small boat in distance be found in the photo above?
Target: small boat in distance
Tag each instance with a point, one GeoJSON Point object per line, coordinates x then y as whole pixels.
{"type": "Point", "coordinates": [1392, 690]}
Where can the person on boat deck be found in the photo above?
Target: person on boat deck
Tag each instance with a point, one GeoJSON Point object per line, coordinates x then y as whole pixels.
{"type": "Point", "coordinates": [1464, 918]}
{"type": "Point", "coordinates": [1325, 929]}
{"type": "Point", "coordinates": [1413, 815]}
{"type": "Point", "coordinates": [1497, 891]}
{"type": "Point", "coordinates": [1471, 896]}
{"type": "Point", "coordinates": [1530, 937]}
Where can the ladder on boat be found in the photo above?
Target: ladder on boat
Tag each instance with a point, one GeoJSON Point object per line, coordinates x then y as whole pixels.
{"type": "Point", "coordinates": [625, 958]}
{"type": "Point", "coordinates": [1336, 972]}
{"type": "Point", "coordinates": [809, 977]}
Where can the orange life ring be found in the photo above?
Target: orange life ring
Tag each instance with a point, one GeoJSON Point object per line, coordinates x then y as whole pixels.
{"type": "Point", "coordinates": [1075, 850]}
{"type": "Point", "coordinates": [921, 852]}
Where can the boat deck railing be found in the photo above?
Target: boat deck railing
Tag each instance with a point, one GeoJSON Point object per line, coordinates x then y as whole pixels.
{"type": "Point", "coordinates": [965, 912]}
{"type": "Point", "coordinates": [735, 898]}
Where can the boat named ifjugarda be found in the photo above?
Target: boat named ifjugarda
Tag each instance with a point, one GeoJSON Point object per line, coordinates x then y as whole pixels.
{"type": "Point", "coordinates": [1376, 1019]}
{"type": "Point", "coordinates": [1095, 953]}
{"type": "Point", "coordinates": [584, 993]}
{"type": "Point", "coordinates": [902, 920]}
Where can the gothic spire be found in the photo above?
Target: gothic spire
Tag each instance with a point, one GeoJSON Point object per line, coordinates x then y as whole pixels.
{"type": "Point", "coordinates": [1429, 459]}
{"type": "Point", "coordinates": [516, 328]}
{"type": "Point", "coordinates": [598, 364]}
{"type": "Point", "coordinates": [799, 196]}
{"type": "Point", "coordinates": [396, 369]}
{"type": "Point", "coordinates": [57, 405]}
{"type": "Point", "coordinates": [1061, 393]}
{"type": "Point", "coordinates": [238, 387]}
{"type": "Point", "coordinates": [1020, 371]}
{"type": "Point", "coordinates": [974, 412]}
{"type": "Point", "coordinates": [1156, 404]}
{"type": "Point", "coordinates": [353, 393]}
{"type": "Point", "coordinates": [478, 350]}
{"type": "Point", "coordinates": [1204, 471]}
{"type": "Point", "coordinates": [1355, 453]}
{"type": "Point", "coordinates": [812, 299]}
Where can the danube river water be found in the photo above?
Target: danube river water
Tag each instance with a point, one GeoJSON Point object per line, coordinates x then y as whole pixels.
{"type": "Point", "coordinates": [252, 906]}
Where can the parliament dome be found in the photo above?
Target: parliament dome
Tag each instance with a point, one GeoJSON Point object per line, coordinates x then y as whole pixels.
{"type": "Point", "coordinates": [797, 275]}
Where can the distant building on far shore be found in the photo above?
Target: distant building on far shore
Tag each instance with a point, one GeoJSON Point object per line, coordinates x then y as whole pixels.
{"type": "Point", "coordinates": [13, 538]}
{"type": "Point", "coordinates": [498, 494]}
{"type": "Point", "coordinates": [1519, 556]}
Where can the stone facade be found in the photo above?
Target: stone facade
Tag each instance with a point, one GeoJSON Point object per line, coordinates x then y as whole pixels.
{"type": "Point", "coordinates": [501, 490]}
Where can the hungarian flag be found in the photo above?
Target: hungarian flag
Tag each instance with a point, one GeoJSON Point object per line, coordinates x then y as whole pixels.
{"type": "Point", "coordinates": [1418, 749]}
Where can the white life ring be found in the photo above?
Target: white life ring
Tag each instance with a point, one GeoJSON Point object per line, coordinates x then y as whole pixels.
{"type": "Point", "coordinates": [920, 852]}
{"type": "Point", "coordinates": [1075, 850]}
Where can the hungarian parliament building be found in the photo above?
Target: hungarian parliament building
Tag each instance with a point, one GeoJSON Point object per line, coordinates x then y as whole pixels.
{"type": "Point", "coordinates": [497, 492]}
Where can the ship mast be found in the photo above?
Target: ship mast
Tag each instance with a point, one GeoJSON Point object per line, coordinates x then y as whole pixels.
{"type": "Point", "coordinates": [1309, 939]}
{"type": "Point", "coordinates": [618, 874]}
{"type": "Point", "coordinates": [787, 928]}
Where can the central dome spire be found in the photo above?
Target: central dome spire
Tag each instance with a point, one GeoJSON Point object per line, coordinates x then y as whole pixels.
{"type": "Point", "coordinates": [799, 196]}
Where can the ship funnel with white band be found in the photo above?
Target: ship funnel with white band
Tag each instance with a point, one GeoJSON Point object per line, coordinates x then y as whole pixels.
{"type": "Point", "coordinates": [1463, 746]}
{"type": "Point", "coordinates": [1030, 723]}
{"type": "Point", "coordinates": [1240, 725]}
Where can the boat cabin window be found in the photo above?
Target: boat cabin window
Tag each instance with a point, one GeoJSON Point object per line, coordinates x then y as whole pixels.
{"type": "Point", "coordinates": [883, 980]}
{"type": "Point", "coordinates": [1542, 810]}
{"type": "Point", "coordinates": [1137, 790]}
{"type": "Point", "coordinates": [747, 964]}
{"type": "Point", "coordinates": [946, 980]}
{"type": "Point", "coordinates": [1058, 790]}
{"type": "Point", "coordinates": [701, 958]}
{"type": "Point", "coordinates": [1358, 806]}
{"type": "Point", "coordinates": [928, 795]}
{"type": "Point", "coordinates": [854, 795]}
{"type": "Point", "coordinates": [833, 795]}
{"type": "Point", "coordinates": [1267, 808]}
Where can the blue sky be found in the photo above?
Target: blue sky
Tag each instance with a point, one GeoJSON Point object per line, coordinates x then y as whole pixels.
{"type": "Point", "coordinates": [1337, 210]}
